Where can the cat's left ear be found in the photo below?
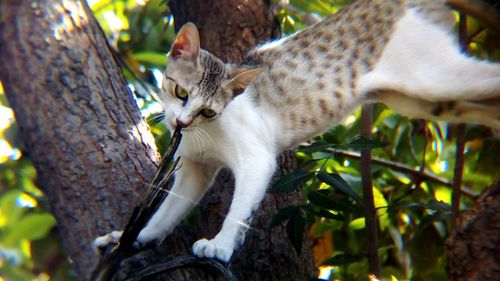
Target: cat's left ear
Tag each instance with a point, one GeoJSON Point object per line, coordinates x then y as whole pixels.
{"type": "Point", "coordinates": [187, 43]}
{"type": "Point", "coordinates": [242, 78]}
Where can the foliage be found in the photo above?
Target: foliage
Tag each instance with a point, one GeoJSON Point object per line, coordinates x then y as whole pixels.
{"type": "Point", "coordinates": [413, 212]}
{"type": "Point", "coordinates": [29, 246]}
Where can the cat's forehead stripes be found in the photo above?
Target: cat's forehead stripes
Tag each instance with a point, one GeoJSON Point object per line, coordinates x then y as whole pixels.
{"type": "Point", "coordinates": [214, 73]}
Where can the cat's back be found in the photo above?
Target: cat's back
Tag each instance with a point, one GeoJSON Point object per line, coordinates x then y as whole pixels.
{"type": "Point", "coordinates": [313, 75]}
{"type": "Point", "coordinates": [364, 26]}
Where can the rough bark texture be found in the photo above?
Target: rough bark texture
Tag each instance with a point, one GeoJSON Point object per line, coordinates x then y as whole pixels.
{"type": "Point", "coordinates": [78, 120]}
{"type": "Point", "coordinates": [94, 154]}
{"type": "Point", "coordinates": [229, 29]}
{"type": "Point", "coordinates": [474, 248]}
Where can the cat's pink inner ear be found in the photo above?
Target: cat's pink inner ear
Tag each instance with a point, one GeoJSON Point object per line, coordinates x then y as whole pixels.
{"type": "Point", "coordinates": [187, 42]}
{"type": "Point", "coordinates": [244, 77]}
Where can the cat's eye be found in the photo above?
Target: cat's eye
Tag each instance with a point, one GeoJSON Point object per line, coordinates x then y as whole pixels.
{"type": "Point", "coordinates": [207, 112]}
{"type": "Point", "coordinates": [181, 93]}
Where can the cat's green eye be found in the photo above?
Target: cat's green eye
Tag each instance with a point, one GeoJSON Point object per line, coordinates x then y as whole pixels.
{"type": "Point", "coordinates": [207, 112]}
{"type": "Point", "coordinates": [181, 93]}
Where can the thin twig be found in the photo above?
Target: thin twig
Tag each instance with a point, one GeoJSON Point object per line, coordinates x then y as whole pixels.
{"type": "Point", "coordinates": [479, 10]}
{"type": "Point", "coordinates": [110, 261]}
{"type": "Point", "coordinates": [413, 173]}
{"type": "Point", "coordinates": [182, 262]}
{"type": "Point", "coordinates": [368, 200]}
{"type": "Point", "coordinates": [460, 142]}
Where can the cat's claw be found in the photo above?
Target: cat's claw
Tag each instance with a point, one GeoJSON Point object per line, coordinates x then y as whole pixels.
{"type": "Point", "coordinates": [204, 248]}
{"type": "Point", "coordinates": [102, 242]}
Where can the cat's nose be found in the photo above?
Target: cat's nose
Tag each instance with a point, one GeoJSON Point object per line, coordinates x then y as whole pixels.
{"type": "Point", "coordinates": [181, 124]}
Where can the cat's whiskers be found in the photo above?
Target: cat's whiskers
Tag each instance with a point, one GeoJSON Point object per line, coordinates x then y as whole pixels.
{"type": "Point", "coordinates": [209, 137]}
{"type": "Point", "coordinates": [171, 193]}
{"type": "Point", "coordinates": [226, 216]}
{"type": "Point", "coordinates": [199, 139]}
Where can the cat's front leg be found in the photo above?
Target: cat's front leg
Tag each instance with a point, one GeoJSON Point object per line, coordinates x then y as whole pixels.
{"type": "Point", "coordinates": [252, 180]}
{"type": "Point", "coordinates": [191, 181]}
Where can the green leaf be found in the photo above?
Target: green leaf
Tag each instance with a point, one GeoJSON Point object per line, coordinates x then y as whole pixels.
{"type": "Point", "coordinates": [316, 6]}
{"type": "Point", "coordinates": [328, 215]}
{"type": "Point", "coordinates": [316, 146]}
{"type": "Point", "coordinates": [291, 181]}
{"type": "Point", "coordinates": [295, 229]}
{"type": "Point", "coordinates": [438, 206]}
{"type": "Point", "coordinates": [321, 198]}
{"type": "Point", "coordinates": [337, 182]}
{"type": "Point", "coordinates": [9, 211]}
{"type": "Point", "coordinates": [360, 142]}
{"type": "Point", "coordinates": [283, 214]}
{"type": "Point", "coordinates": [343, 259]}
{"type": "Point", "coordinates": [30, 227]}
{"type": "Point", "coordinates": [151, 57]}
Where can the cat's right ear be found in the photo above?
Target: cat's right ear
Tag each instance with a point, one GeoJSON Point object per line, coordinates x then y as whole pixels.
{"type": "Point", "coordinates": [187, 43]}
{"type": "Point", "coordinates": [242, 78]}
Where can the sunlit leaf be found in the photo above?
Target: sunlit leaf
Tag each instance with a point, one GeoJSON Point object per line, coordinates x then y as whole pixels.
{"type": "Point", "coordinates": [329, 215]}
{"type": "Point", "coordinates": [337, 182]}
{"type": "Point", "coordinates": [159, 59]}
{"type": "Point", "coordinates": [381, 208]}
{"type": "Point", "coordinates": [30, 227]}
{"type": "Point", "coordinates": [9, 211]}
{"type": "Point", "coordinates": [357, 224]}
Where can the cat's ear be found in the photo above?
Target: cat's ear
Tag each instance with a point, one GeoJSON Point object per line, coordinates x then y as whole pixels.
{"type": "Point", "coordinates": [187, 43]}
{"type": "Point", "coordinates": [242, 77]}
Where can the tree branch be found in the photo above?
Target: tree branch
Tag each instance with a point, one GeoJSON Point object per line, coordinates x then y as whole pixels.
{"type": "Point", "coordinates": [479, 10]}
{"type": "Point", "coordinates": [368, 201]}
{"type": "Point", "coordinates": [414, 174]}
{"type": "Point", "coordinates": [460, 143]}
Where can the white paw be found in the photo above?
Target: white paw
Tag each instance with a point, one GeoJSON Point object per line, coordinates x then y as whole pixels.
{"type": "Point", "coordinates": [213, 249]}
{"type": "Point", "coordinates": [100, 243]}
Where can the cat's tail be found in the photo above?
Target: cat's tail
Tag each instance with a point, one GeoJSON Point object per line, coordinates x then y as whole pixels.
{"type": "Point", "coordinates": [484, 111]}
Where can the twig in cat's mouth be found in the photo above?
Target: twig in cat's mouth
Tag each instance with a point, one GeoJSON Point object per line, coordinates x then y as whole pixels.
{"type": "Point", "coordinates": [163, 180]}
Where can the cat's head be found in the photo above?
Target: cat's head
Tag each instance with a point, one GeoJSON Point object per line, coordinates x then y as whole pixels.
{"type": "Point", "coordinates": [197, 86]}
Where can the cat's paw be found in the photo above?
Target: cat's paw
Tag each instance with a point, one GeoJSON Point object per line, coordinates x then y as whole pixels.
{"type": "Point", "coordinates": [213, 249]}
{"type": "Point", "coordinates": [101, 243]}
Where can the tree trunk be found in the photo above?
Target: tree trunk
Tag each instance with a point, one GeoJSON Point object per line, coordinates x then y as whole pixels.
{"type": "Point", "coordinates": [79, 122]}
{"type": "Point", "coordinates": [473, 250]}
{"type": "Point", "coordinates": [93, 152]}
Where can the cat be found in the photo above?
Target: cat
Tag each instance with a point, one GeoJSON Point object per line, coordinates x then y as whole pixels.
{"type": "Point", "coordinates": [398, 52]}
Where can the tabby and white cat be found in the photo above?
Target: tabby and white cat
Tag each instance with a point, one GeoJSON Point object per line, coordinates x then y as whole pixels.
{"type": "Point", "coordinates": [399, 52]}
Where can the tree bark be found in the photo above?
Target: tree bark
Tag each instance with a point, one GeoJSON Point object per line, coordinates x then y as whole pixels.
{"type": "Point", "coordinates": [92, 150]}
{"type": "Point", "coordinates": [79, 122]}
{"type": "Point", "coordinates": [473, 250]}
